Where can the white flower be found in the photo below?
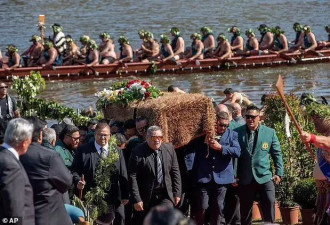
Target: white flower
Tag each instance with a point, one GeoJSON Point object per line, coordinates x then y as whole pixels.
{"type": "Point", "coordinates": [143, 90]}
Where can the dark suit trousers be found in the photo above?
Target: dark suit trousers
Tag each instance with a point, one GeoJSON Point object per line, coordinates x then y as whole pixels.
{"type": "Point", "coordinates": [232, 206]}
{"type": "Point", "coordinates": [209, 195]}
{"type": "Point", "coordinates": [160, 198]}
{"type": "Point", "coordinates": [247, 194]}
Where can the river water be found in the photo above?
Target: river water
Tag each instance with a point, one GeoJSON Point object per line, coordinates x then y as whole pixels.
{"type": "Point", "coordinates": [125, 17]}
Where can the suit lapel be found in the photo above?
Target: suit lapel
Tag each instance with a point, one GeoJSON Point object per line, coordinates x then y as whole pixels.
{"type": "Point", "coordinates": [259, 139]}
{"type": "Point", "coordinates": [164, 158]}
{"type": "Point", "coordinates": [150, 159]}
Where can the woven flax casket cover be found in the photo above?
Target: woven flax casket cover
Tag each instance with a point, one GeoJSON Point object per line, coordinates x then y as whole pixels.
{"type": "Point", "coordinates": [181, 116]}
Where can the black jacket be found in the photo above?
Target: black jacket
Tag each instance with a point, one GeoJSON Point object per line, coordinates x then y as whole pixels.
{"type": "Point", "coordinates": [16, 195]}
{"type": "Point", "coordinates": [142, 174]}
{"type": "Point", "coordinates": [86, 162]}
{"type": "Point", "coordinates": [49, 178]}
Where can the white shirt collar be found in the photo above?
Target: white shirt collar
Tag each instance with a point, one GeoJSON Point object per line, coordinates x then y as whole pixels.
{"type": "Point", "coordinates": [98, 148]}
{"type": "Point", "coordinates": [11, 149]}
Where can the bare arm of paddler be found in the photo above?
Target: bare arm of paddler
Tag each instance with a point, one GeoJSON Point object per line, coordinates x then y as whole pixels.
{"type": "Point", "coordinates": [105, 48]}
{"type": "Point", "coordinates": [168, 48]}
{"type": "Point", "coordinates": [52, 57]}
{"type": "Point", "coordinates": [209, 43]}
{"type": "Point", "coordinates": [284, 42]}
{"type": "Point", "coordinates": [127, 50]}
{"type": "Point", "coordinates": [238, 44]}
{"type": "Point", "coordinates": [225, 51]}
{"type": "Point", "coordinates": [17, 60]}
{"type": "Point", "coordinates": [199, 52]}
{"type": "Point", "coordinates": [179, 48]}
{"type": "Point", "coordinates": [255, 45]}
{"type": "Point", "coordinates": [311, 39]}
{"type": "Point", "coordinates": [94, 55]}
{"type": "Point", "coordinates": [267, 42]}
{"type": "Point", "coordinates": [316, 140]}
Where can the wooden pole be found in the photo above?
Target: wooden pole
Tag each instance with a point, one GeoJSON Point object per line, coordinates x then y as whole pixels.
{"type": "Point", "coordinates": [42, 28]}
{"type": "Point", "coordinates": [280, 90]}
{"type": "Point", "coordinates": [81, 190]}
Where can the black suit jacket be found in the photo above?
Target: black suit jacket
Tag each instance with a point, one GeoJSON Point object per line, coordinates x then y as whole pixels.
{"type": "Point", "coordinates": [49, 178]}
{"type": "Point", "coordinates": [86, 162]}
{"type": "Point", "coordinates": [16, 195]}
{"type": "Point", "coordinates": [142, 173]}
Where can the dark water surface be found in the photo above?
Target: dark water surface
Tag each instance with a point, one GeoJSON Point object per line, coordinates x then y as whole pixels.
{"type": "Point", "coordinates": [18, 20]}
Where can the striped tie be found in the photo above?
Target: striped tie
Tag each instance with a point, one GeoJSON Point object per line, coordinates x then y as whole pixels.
{"type": "Point", "coordinates": [251, 141]}
{"type": "Point", "coordinates": [159, 168]}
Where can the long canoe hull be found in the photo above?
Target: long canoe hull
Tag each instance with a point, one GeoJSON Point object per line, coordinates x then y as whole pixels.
{"type": "Point", "coordinates": [206, 65]}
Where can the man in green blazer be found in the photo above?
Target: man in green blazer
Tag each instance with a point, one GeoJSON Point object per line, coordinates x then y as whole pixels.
{"type": "Point", "coordinates": [258, 143]}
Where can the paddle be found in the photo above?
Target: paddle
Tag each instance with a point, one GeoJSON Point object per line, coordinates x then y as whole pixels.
{"type": "Point", "coordinates": [89, 67]}
{"type": "Point", "coordinates": [81, 190]}
{"type": "Point", "coordinates": [280, 90]}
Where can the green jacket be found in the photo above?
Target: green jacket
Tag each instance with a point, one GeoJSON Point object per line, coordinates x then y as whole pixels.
{"type": "Point", "coordinates": [258, 165]}
{"type": "Point", "coordinates": [64, 153]}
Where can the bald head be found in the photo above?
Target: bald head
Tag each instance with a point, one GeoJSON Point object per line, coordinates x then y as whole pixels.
{"type": "Point", "coordinates": [221, 108]}
{"type": "Point", "coordinates": [237, 109]}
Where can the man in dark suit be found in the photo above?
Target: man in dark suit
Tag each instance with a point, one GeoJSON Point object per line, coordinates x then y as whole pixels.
{"type": "Point", "coordinates": [86, 162]}
{"type": "Point", "coordinates": [212, 169]}
{"type": "Point", "coordinates": [258, 143]}
{"type": "Point", "coordinates": [49, 178]}
{"type": "Point", "coordinates": [16, 195]}
{"type": "Point", "coordinates": [154, 175]}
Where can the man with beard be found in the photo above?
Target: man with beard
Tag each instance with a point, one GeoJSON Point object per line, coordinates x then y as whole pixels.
{"type": "Point", "coordinates": [177, 44]}
{"type": "Point", "coordinates": [197, 46]}
{"type": "Point", "coordinates": [236, 42]}
{"type": "Point", "coordinates": [208, 41]}
{"type": "Point", "coordinates": [223, 50]}
{"type": "Point", "coordinates": [68, 143]}
{"type": "Point", "coordinates": [50, 56]}
{"type": "Point", "coordinates": [267, 38]}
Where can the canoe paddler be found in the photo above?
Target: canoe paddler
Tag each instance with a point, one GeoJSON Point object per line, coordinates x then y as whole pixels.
{"type": "Point", "coordinates": [58, 38]}
{"type": "Point", "coordinates": [208, 41]}
{"type": "Point", "coordinates": [267, 38]}
{"type": "Point", "coordinates": [13, 58]}
{"type": "Point", "coordinates": [223, 50]}
{"type": "Point", "coordinates": [325, 43]}
{"type": "Point", "coordinates": [252, 44]}
{"type": "Point", "coordinates": [93, 54]}
{"type": "Point", "coordinates": [197, 46]}
{"type": "Point", "coordinates": [126, 51]}
{"type": "Point", "coordinates": [166, 48]}
{"type": "Point", "coordinates": [33, 53]}
{"type": "Point", "coordinates": [50, 56]}
{"type": "Point", "coordinates": [280, 41]}
{"type": "Point", "coordinates": [177, 44]}
{"type": "Point", "coordinates": [153, 51]}
{"type": "Point", "coordinates": [237, 41]}
{"type": "Point", "coordinates": [309, 41]}
{"type": "Point", "coordinates": [107, 49]}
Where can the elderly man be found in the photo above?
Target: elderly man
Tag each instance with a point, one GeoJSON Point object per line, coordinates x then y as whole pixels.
{"type": "Point", "coordinates": [86, 163]}
{"type": "Point", "coordinates": [68, 143]}
{"type": "Point", "coordinates": [8, 109]}
{"type": "Point", "coordinates": [16, 196]}
{"type": "Point", "coordinates": [154, 175]}
{"type": "Point", "coordinates": [213, 171]}
{"type": "Point", "coordinates": [258, 143]}
{"type": "Point", "coordinates": [49, 178]}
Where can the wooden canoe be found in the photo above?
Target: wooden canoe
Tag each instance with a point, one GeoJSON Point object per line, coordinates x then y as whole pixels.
{"type": "Point", "coordinates": [137, 68]}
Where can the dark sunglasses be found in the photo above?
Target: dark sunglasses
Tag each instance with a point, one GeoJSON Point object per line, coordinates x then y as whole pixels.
{"type": "Point", "coordinates": [251, 116]}
{"type": "Point", "coordinates": [223, 125]}
{"type": "Point", "coordinates": [3, 87]}
{"type": "Point", "coordinates": [74, 138]}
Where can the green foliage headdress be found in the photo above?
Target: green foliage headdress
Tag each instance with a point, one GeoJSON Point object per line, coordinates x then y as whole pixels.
{"type": "Point", "coordinates": [237, 30]}
{"type": "Point", "coordinates": [327, 28]}
{"type": "Point", "coordinates": [12, 48]}
{"type": "Point", "coordinates": [263, 28]}
{"type": "Point", "coordinates": [123, 40]}
{"type": "Point", "coordinates": [222, 37]}
{"type": "Point", "coordinates": [206, 30]}
{"type": "Point", "coordinates": [104, 35]}
{"type": "Point", "coordinates": [56, 27]}
{"type": "Point", "coordinates": [148, 34]}
{"type": "Point", "coordinates": [196, 35]}
{"type": "Point", "coordinates": [92, 44]}
{"type": "Point", "coordinates": [48, 43]}
{"type": "Point", "coordinates": [35, 38]}
{"type": "Point", "coordinates": [175, 30]}
{"type": "Point", "coordinates": [84, 38]}
{"type": "Point", "coordinates": [250, 32]}
{"type": "Point", "coordinates": [277, 30]}
{"type": "Point", "coordinates": [142, 33]}
{"type": "Point", "coordinates": [164, 39]}
{"type": "Point", "coordinates": [307, 29]}
{"type": "Point", "coordinates": [297, 27]}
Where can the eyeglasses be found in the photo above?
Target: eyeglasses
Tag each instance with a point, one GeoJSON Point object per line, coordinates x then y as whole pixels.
{"type": "Point", "coordinates": [142, 129]}
{"type": "Point", "coordinates": [74, 138]}
{"type": "Point", "coordinates": [4, 87]}
{"type": "Point", "coordinates": [223, 125]}
{"type": "Point", "coordinates": [251, 116]}
{"type": "Point", "coordinates": [154, 138]}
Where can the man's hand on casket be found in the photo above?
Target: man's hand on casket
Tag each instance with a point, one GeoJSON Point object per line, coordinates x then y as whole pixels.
{"type": "Point", "coordinates": [215, 145]}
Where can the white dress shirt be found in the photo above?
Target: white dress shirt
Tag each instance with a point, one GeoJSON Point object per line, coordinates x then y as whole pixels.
{"type": "Point", "coordinates": [98, 149]}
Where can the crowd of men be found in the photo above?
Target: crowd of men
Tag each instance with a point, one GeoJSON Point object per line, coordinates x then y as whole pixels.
{"type": "Point", "coordinates": [214, 180]}
{"type": "Point", "coordinates": [60, 49]}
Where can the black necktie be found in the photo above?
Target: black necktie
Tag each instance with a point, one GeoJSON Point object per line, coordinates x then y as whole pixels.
{"type": "Point", "coordinates": [159, 167]}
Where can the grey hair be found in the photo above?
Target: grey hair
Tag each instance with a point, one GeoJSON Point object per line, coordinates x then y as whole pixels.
{"type": "Point", "coordinates": [48, 135]}
{"type": "Point", "coordinates": [153, 129]}
{"type": "Point", "coordinates": [18, 130]}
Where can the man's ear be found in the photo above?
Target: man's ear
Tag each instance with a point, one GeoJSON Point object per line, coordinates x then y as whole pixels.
{"type": "Point", "coordinates": [40, 137]}
{"type": "Point", "coordinates": [53, 143]}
